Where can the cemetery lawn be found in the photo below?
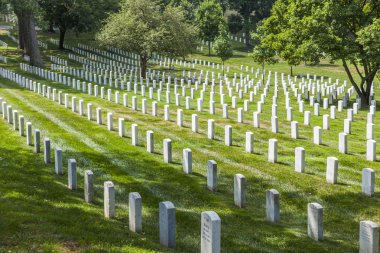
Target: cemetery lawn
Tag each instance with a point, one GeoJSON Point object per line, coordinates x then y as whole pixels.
{"type": "Point", "coordinates": [39, 213]}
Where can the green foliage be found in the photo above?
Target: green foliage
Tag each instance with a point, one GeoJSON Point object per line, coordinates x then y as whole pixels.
{"type": "Point", "coordinates": [252, 12]}
{"type": "Point", "coordinates": [235, 23]}
{"type": "Point", "coordinates": [180, 37]}
{"type": "Point", "coordinates": [144, 27]}
{"type": "Point", "coordinates": [22, 5]}
{"type": "Point", "coordinates": [285, 34]}
{"type": "Point", "coordinates": [209, 16]}
{"type": "Point", "coordinates": [307, 30]}
{"type": "Point", "coordinates": [263, 52]}
{"type": "Point", "coordinates": [77, 15]}
{"type": "Point", "coordinates": [188, 7]}
{"type": "Point", "coordinates": [222, 44]}
{"type": "Point", "coordinates": [135, 28]}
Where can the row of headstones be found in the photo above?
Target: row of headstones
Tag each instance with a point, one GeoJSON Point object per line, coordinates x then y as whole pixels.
{"type": "Point", "coordinates": [58, 60]}
{"type": "Point", "coordinates": [246, 104]}
{"type": "Point", "coordinates": [240, 96]}
{"type": "Point", "coordinates": [111, 64]}
{"type": "Point", "coordinates": [86, 47]}
{"type": "Point", "coordinates": [97, 58]}
{"type": "Point", "coordinates": [302, 78]}
{"type": "Point", "coordinates": [54, 77]}
{"type": "Point", "coordinates": [187, 153]}
{"type": "Point", "coordinates": [371, 144]}
{"type": "Point", "coordinates": [42, 44]}
{"type": "Point", "coordinates": [210, 221]}
{"type": "Point", "coordinates": [317, 130]}
{"type": "Point", "coordinates": [235, 73]}
{"type": "Point", "coordinates": [91, 65]}
{"type": "Point", "coordinates": [332, 167]}
{"type": "Point", "coordinates": [3, 44]}
{"type": "Point", "coordinates": [167, 152]}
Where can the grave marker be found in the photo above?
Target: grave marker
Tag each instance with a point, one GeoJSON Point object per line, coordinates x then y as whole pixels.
{"type": "Point", "coordinates": [315, 221]}
{"type": "Point", "coordinates": [135, 212]}
{"type": "Point", "coordinates": [72, 174]}
{"type": "Point", "coordinates": [369, 237]}
{"type": "Point", "coordinates": [273, 205]}
{"type": "Point", "coordinates": [212, 174]}
{"type": "Point", "coordinates": [368, 182]}
{"type": "Point", "coordinates": [210, 232]}
{"type": "Point", "coordinates": [109, 199]}
{"type": "Point", "coordinates": [239, 190]}
{"type": "Point", "coordinates": [88, 186]}
{"type": "Point", "coordinates": [167, 224]}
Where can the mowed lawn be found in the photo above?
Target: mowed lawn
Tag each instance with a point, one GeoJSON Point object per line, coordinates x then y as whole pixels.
{"type": "Point", "coordinates": [39, 213]}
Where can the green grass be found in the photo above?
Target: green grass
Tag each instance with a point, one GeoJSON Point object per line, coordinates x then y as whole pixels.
{"type": "Point", "coordinates": [41, 214]}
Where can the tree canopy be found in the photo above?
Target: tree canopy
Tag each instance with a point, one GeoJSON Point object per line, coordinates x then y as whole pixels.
{"type": "Point", "coordinates": [252, 12]}
{"type": "Point", "coordinates": [209, 16]}
{"type": "Point", "coordinates": [235, 23]}
{"type": "Point", "coordinates": [263, 52]}
{"type": "Point", "coordinates": [222, 45]}
{"type": "Point", "coordinates": [145, 27]}
{"type": "Point", "coordinates": [76, 15]}
{"type": "Point", "coordinates": [338, 29]}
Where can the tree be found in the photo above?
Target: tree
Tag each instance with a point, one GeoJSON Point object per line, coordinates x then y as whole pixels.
{"type": "Point", "coordinates": [187, 6]}
{"type": "Point", "coordinates": [284, 34]}
{"type": "Point", "coordinates": [235, 24]}
{"type": "Point", "coordinates": [224, 4]}
{"type": "Point", "coordinates": [180, 36]}
{"type": "Point", "coordinates": [252, 12]}
{"type": "Point", "coordinates": [76, 15]}
{"type": "Point", "coordinates": [338, 29]}
{"type": "Point", "coordinates": [222, 45]}
{"type": "Point", "coordinates": [145, 27]}
{"type": "Point", "coordinates": [209, 16]}
{"type": "Point", "coordinates": [25, 12]}
{"type": "Point", "coordinates": [263, 53]}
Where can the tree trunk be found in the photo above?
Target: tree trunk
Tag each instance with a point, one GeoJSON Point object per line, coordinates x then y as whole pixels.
{"type": "Point", "coordinates": [291, 70]}
{"type": "Point", "coordinates": [51, 27]}
{"type": "Point", "coordinates": [30, 40]}
{"type": "Point", "coordinates": [143, 65]}
{"type": "Point", "coordinates": [223, 67]}
{"type": "Point", "coordinates": [21, 43]}
{"type": "Point", "coordinates": [364, 94]}
{"type": "Point", "coordinates": [62, 33]}
{"type": "Point", "coordinates": [263, 72]}
{"type": "Point", "coordinates": [209, 48]}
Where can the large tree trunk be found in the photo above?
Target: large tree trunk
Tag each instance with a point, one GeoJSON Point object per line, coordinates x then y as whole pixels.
{"type": "Point", "coordinates": [209, 48]}
{"type": "Point", "coordinates": [366, 79]}
{"type": "Point", "coordinates": [29, 38]}
{"type": "Point", "coordinates": [62, 33]}
{"type": "Point", "coordinates": [143, 65]}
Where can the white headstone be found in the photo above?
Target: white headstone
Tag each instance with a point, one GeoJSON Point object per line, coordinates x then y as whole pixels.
{"type": "Point", "coordinates": [210, 232]}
